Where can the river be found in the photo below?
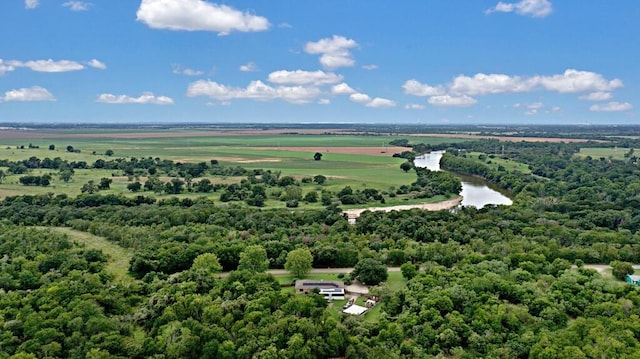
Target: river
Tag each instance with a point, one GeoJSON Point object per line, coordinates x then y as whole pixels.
{"type": "Point", "coordinates": [475, 191]}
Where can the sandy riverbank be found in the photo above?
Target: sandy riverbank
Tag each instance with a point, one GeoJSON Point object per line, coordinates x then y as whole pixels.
{"type": "Point", "coordinates": [438, 206]}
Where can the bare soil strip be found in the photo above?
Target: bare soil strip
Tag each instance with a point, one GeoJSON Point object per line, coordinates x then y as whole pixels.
{"type": "Point", "coordinates": [356, 212]}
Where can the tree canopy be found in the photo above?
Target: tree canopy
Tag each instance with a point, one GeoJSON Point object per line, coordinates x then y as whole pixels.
{"type": "Point", "coordinates": [299, 262]}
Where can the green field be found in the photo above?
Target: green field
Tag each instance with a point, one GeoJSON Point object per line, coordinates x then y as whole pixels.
{"type": "Point", "coordinates": [282, 153]}
{"type": "Point", "coordinates": [128, 146]}
{"type": "Point", "coordinates": [616, 153]}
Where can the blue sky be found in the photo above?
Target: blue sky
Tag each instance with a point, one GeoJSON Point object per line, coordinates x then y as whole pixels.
{"type": "Point", "coordinates": [411, 61]}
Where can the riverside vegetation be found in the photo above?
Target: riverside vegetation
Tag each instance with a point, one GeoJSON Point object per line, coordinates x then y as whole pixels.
{"type": "Point", "coordinates": [501, 282]}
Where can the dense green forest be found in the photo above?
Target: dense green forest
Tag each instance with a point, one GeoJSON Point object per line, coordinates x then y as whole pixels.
{"type": "Point", "coordinates": [500, 282]}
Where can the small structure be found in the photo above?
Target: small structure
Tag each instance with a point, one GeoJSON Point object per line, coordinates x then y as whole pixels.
{"type": "Point", "coordinates": [370, 303]}
{"type": "Point", "coordinates": [308, 286]}
{"type": "Point", "coordinates": [355, 310]}
{"type": "Point", "coordinates": [332, 293]}
{"type": "Point", "coordinates": [632, 279]}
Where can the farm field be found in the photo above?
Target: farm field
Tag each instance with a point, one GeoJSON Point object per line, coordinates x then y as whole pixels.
{"type": "Point", "coordinates": [358, 161]}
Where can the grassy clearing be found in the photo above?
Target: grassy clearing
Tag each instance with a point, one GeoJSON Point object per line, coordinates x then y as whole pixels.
{"type": "Point", "coordinates": [396, 281]}
{"type": "Point", "coordinates": [496, 161]}
{"type": "Point", "coordinates": [607, 275]}
{"type": "Point", "coordinates": [118, 257]}
{"type": "Point", "coordinates": [602, 152]}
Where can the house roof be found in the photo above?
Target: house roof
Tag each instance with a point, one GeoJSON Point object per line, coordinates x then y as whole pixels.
{"type": "Point", "coordinates": [355, 310]}
{"type": "Point", "coordinates": [318, 284]}
{"type": "Point", "coordinates": [332, 291]}
{"type": "Point", "coordinates": [634, 278]}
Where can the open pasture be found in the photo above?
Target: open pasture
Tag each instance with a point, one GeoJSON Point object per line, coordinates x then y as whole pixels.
{"type": "Point", "coordinates": [616, 153]}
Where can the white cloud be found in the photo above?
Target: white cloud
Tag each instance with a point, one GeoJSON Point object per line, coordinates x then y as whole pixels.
{"type": "Point", "coordinates": [35, 93]}
{"type": "Point", "coordinates": [145, 98]}
{"type": "Point", "coordinates": [366, 100]}
{"type": "Point", "coordinates": [342, 89]}
{"type": "Point", "coordinates": [381, 102]}
{"type": "Point", "coordinates": [611, 107]}
{"type": "Point", "coordinates": [463, 87]}
{"type": "Point", "coordinates": [360, 98]}
{"type": "Point", "coordinates": [454, 101]}
{"type": "Point", "coordinates": [300, 77]}
{"type": "Point", "coordinates": [414, 106]}
{"type": "Point", "coordinates": [5, 67]}
{"type": "Point", "coordinates": [97, 64]}
{"type": "Point", "coordinates": [256, 90]}
{"type": "Point", "coordinates": [370, 67]}
{"type": "Point", "coordinates": [572, 81]}
{"type": "Point", "coordinates": [482, 84]}
{"type": "Point", "coordinates": [335, 51]}
{"type": "Point", "coordinates": [48, 65]}
{"type": "Point", "coordinates": [597, 96]}
{"type": "Point", "coordinates": [31, 4]}
{"type": "Point", "coordinates": [77, 5]}
{"type": "Point", "coordinates": [249, 67]}
{"type": "Point", "coordinates": [324, 101]}
{"type": "Point", "coordinates": [415, 88]}
{"type": "Point", "coordinates": [179, 70]}
{"type": "Point", "coordinates": [198, 15]}
{"type": "Point", "coordinates": [533, 8]}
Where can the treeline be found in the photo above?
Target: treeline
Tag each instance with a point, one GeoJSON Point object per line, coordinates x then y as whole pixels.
{"type": "Point", "coordinates": [496, 282]}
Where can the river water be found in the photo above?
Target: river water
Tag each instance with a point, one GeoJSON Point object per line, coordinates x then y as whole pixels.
{"type": "Point", "coordinates": [475, 191]}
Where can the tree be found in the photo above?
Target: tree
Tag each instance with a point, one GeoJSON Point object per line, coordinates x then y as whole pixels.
{"type": "Point", "coordinates": [319, 179]}
{"type": "Point", "coordinates": [311, 197]}
{"type": "Point", "coordinates": [406, 166]}
{"type": "Point", "coordinates": [70, 148]}
{"type": "Point", "coordinates": [292, 193]}
{"type": "Point", "coordinates": [409, 270]}
{"type": "Point", "coordinates": [370, 271]}
{"type": "Point", "coordinates": [206, 263]}
{"type": "Point", "coordinates": [108, 153]}
{"type": "Point", "coordinates": [254, 259]}
{"type": "Point", "coordinates": [317, 156]}
{"type": "Point", "coordinates": [105, 183]}
{"type": "Point", "coordinates": [326, 198]}
{"type": "Point", "coordinates": [66, 175]}
{"type": "Point", "coordinates": [89, 187]}
{"type": "Point", "coordinates": [52, 147]}
{"type": "Point", "coordinates": [2, 176]}
{"type": "Point", "coordinates": [299, 262]}
{"type": "Point", "coordinates": [134, 187]}
{"type": "Point", "coordinates": [621, 269]}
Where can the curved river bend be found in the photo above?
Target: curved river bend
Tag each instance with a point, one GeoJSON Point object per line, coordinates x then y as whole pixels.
{"type": "Point", "coordinates": [475, 191]}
